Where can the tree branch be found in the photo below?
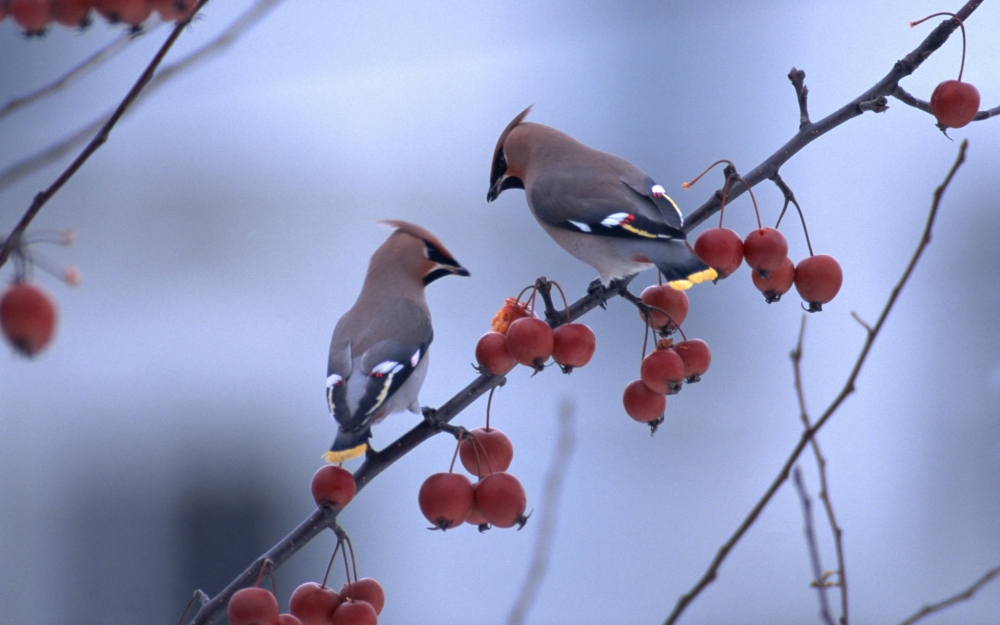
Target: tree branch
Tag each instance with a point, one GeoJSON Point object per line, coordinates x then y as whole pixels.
{"type": "Point", "coordinates": [808, 435]}
{"type": "Point", "coordinates": [962, 596]}
{"type": "Point", "coordinates": [811, 131]}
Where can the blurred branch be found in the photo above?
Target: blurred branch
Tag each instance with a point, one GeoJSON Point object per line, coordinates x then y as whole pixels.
{"type": "Point", "coordinates": [824, 607]}
{"type": "Point", "coordinates": [824, 492]}
{"type": "Point", "coordinates": [869, 100]}
{"type": "Point", "coordinates": [375, 463]}
{"type": "Point", "coordinates": [54, 152]}
{"type": "Point", "coordinates": [91, 62]}
{"type": "Point", "coordinates": [549, 515]}
{"type": "Point", "coordinates": [962, 596]}
{"type": "Point", "coordinates": [14, 239]}
{"type": "Point", "coordinates": [713, 568]}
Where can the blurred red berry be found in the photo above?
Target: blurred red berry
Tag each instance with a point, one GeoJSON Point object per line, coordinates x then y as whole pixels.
{"type": "Point", "coordinates": [27, 317]}
{"type": "Point", "coordinates": [492, 354]}
{"type": "Point", "coordinates": [313, 604]}
{"type": "Point", "coordinates": [573, 345]}
{"type": "Point", "coordinates": [671, 301]}
{"type": "Point", "coordinates": [174, 10]}
{"type": "Point", "coordinates": [354, 613]}
{"type": "Point", "coordinates": [333, 486]}
{"type": "Point", "coordinates": [71, 12]}
{"type": "Point", "coordinates": [490, 452]}
{"type": "Point", "coordinates": [365, 589]}
{"type": "Point", "coordinates": [252, 606]}
{"type": "Point", "coordinates": [696, 356]}
{"type": "Point", "coordinates": [642, 403]}
{"type": "Point", "coordinates": [31, 15]}
{"type": "Point", "coordinates": [501, 500]}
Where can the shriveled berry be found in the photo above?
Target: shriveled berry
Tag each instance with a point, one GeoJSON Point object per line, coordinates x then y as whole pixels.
{"type": "Point", "coordinates": [313, 604]}
{"type": "Point", "coordinates": [954, 103]}
{"type": "Point", "coordinates": [501, 500]}
{"type": "Point", "coordinates": [530, 342]}
{"type": "Point", "coordinates": [662, 371]}
{"type": "Point", "coordinates": [511, 311]}
{"type": "Point", "coordinates": [445, 499]}
{"type": "Point", "coordinates": [765, 249]}
{"type": "Point", "coordinates": [333, 486]}
{"type": "Point", "coordinates": [721, 249]}
{"type": "Point", "coordinates": [252, 606]}
{"type": "Point", "coordinates": [489, 451]}
{"type": "Point", "coordinates": [27, 317]}
{"type": "Point", "coordinates": [776, 283]}
{"type": "Point", "coordinates": [365, 589]}
{"type": "Point", "coordinates": [818, 280]}
{"type": "Point", "coordinates": [642, 403]}
{"type": "Point", "coordinates": [573, 345]}
{"type": "Point", "coordinates": [669, 300]}
{"type": "Point", "coordinates": [696, 356]}
{"type": "Point", "coordinates": [492, 354]}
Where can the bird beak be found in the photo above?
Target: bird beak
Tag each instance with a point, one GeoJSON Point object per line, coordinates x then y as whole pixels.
{"type": "Point", "coordinates": [445, 270]}
{"type": "Point", "coordinates": [494, 191]}
{"type": "Point", "coordinates": [502, 184]}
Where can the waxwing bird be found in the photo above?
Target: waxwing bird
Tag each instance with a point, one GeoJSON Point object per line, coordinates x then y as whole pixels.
{"type": "Point", "coordinates": [600, 208]}
{"type": "Point", "coordinates": [378, 353]}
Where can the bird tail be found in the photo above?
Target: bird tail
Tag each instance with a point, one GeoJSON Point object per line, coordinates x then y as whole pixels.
{"type": "Point", "coordinates": [348, 445]}
{"type": "Point", "coordinates": [678, 263]}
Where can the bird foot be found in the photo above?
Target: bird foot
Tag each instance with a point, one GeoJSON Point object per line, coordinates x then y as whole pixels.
{"type": "Point", "coordinates": [597, 289]}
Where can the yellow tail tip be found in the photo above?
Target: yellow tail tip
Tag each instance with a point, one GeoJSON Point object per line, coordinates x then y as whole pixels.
{"type": "Point", "coordinates": [693, 279]}
{"type": "Point", "coordinates": [336, 457]}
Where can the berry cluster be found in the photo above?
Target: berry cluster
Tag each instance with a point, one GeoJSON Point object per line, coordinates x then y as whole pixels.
{"type": "Point", "coordinates": [663, 371]}
{"type": "Point", "coordinates": [496, 499]}
{"type": "Point", "coordinates": [817, 278]}
{"type": "Point", "coordinates": [34, 16]}
{"type": "Point", "coordinates": [519, 337]}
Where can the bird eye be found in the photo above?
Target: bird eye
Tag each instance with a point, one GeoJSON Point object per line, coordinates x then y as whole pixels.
{"type": "Point", "coordinates": [501, 161]}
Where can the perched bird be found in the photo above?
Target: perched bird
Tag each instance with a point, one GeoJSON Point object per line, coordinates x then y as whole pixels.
{"type": "Point", "coordinates": [378, 353]}
{"type": "Point", "coordinates": [600, 208]}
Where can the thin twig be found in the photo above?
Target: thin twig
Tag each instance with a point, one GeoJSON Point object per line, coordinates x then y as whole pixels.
{"type": "Point", "coordinates": [713, 568]}
{"type": "Point", "coordinates": [824, 607]}
{"type": "Point", "coordinates": [824, 492]}
{"type": "Point", "coordinates": [40, 159]}
{"type": "Point", "coordinates": [962, 596]}
{"type": "Point", "coordinates": [798, 78]}
{"type": "Point", "coordinates": [91, 62]}
{"type": "Point", "coordinates": [549, 516]}
{"type": "Point", "coordinates": [13, 240]}
{"type": "Point", "coordinates": [806, 135]}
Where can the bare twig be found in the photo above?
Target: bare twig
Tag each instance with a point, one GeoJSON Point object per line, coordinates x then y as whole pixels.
{"type": "Point", "coordinates": [14, 239]}
{"type": "Point", "coordinates": [91, 62]}
{"type": "Point", "coordinates": [798, 78]}
{"type": "Point", "coordinates": [824, 492]}
{"type": "Point", "coordinates": [807, 134]}
{"type": "Point", "coordinates": [57, 150]}
{"type": "Point", "coordinates": [549, 516]}
{"type": "Point", "coordinates": [713, 568]}
{"type": "Point", "coordinates": [962, 596]}
{"type": "Point", "coordinates": [824, 607]}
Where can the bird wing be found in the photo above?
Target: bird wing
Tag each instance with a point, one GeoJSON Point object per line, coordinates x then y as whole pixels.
{"type": "Point", "coordinates": [609, 207]}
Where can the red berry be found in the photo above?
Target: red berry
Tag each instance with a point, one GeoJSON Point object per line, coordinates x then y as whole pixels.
{"type": "Point", "coordinates": [696, 356]}
{"type": "Point", "coordinates": [530, 341]}
{"type": "Point", "coordinates": [501, 500]}
{"type": "Point", "coordinates": [573, 345]}
{"type": "Point", "coordinates": [662, 371]}
{"type": "Point", "coordinates": [70, 12]}
{"type": "Point", "coordinates": [131, 12]}
{"type": "Point", "coordinates": [818, 279]}
{"type": "Point", "coordinates": [333, 486]}
{"type": "Point", "coordinates": [492, 354]}
{"type": "Point", "coordinates": [765, 249]}
{"type": "Point", "coordinates": [642, 403]}
{"type": "Point", "coordinates": [777, 283]}
{"type": "Point", "coordinates": [355, 613]}
{"type": "Point", "coordinates": [27, 317]}
{"type": "Point", "coordinates": [476, 517]}
{"type": "Point", "coordinates": [954, 103]}
{"type": "Point", "coordinates": [721, 249]}
{"type": "Point", "coordinates": [365, 589]}
{"type": "Point", "coordinates": [491, 452]}
{"type": "Point", "coordinates": [288, 619]}
{"type": "Point", "coordinates": [445, 499]}
{"type": "Point", "coordinates": [252, 606]}
{"type": "Point", "coordinates": [174, 9]}
{"type": "Point", "coordinates": [31, 15]}
{"type": "Point", "coordinates": [671, 301]}
{"type": "Point", "coordinates": [313, 604]}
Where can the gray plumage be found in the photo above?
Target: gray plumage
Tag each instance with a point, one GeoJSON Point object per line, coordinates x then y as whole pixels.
{"type": "Point", "coordinates": [599, 207]}
{"type": "Point", "coordinates": [378, 352]}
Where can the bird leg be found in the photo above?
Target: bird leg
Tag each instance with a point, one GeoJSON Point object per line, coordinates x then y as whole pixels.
{"type": "Point", "coordinates": [597, 289]}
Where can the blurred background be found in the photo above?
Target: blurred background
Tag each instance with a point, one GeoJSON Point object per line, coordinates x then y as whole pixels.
{"type": "Point", "coordinates": [168, 435]}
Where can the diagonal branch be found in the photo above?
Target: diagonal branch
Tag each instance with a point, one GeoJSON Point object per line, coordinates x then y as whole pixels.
{"type": "Point", "coordinates": [811, 131]}
{"type": "Point", "coordinates": [807, 436]}
{"type": "Point", "coordinates": [962, 596]}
